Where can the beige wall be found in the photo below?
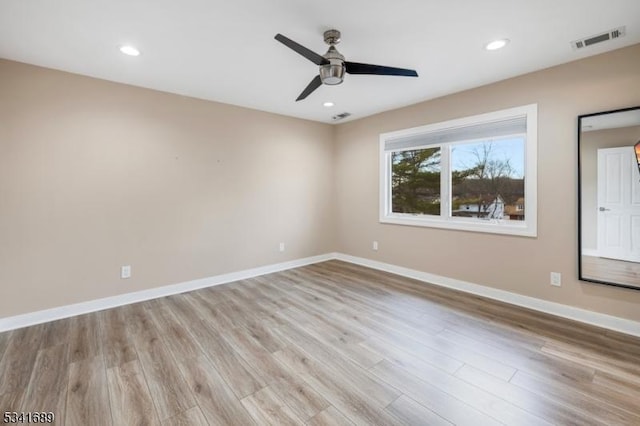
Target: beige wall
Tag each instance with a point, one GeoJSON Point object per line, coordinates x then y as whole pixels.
{"type": "Point", "coordinates": [95, 175]}
{"type": "Point", "coordinates": [516, 264]}
{"type": "Point", "coordinates": [590, 142]}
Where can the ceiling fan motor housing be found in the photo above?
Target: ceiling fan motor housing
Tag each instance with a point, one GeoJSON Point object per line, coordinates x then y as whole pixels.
{"type": "Point", "coordinates": [333, 72]}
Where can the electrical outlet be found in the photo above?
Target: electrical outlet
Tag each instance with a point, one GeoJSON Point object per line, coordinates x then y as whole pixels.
{"type": "Point", "coordinates": [125, 271]}
{"type": "Point", "coordinates": [556, 279]}
{"type": "Point", "coordinates": [375, 246]}
{"type": "Point", "coordinates": [281, 247]}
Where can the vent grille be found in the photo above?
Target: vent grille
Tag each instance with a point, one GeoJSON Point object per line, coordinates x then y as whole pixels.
{"type": "Point", "coordinates": [341, 116]}
{"type": "Point", "coordinates": [599, 38]}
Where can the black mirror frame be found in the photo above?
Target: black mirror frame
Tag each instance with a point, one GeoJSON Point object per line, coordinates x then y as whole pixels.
{"type": "Point", "coordinates": [636, 148]}
{"type": "Point", "coordinates": [580, 276]}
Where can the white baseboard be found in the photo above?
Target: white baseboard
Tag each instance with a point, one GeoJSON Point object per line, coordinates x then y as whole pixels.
{"type": "Point", "coordinates": [33, 318]}
{"type": "Point", "coordinates": [582, 315]}
{"type": "Point", "coordinates": [590, 252]}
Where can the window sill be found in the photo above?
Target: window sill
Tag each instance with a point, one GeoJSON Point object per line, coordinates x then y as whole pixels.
{"type": "Point", "coordinates": [459, 224]}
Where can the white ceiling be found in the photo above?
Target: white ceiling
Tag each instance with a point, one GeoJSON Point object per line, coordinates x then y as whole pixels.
{"type": "Point", "coordinates": [225, 51]}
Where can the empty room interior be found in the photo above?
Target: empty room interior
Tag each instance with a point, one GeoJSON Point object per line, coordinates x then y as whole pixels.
{"type": "Point", "coordinates": [281, 212]}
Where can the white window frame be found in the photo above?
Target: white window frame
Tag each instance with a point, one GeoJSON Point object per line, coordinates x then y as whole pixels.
{"type": "Point", "coordinates": [527, 228]}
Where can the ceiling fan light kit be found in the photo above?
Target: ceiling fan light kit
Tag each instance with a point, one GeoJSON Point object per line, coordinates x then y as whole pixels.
{"type": "Point", "coordinates": [332, 65]}
{"type": "Point", "coordinates": [333, 72]}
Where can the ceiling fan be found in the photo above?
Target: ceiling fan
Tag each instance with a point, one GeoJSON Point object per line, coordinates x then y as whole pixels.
{"type": "Point", "coordinates": [333, 66]}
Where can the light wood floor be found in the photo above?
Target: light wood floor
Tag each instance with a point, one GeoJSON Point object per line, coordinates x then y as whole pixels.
{"type": "Point", "coordinates": [611, 270]}
{"type": "Point", "coordinates": [327, 344]}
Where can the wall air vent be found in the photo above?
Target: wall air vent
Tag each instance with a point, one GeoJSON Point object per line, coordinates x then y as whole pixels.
{"type": "Point", "coordinates": [599, 38]}
{"type": "Point", "coordinates": [341, 116]}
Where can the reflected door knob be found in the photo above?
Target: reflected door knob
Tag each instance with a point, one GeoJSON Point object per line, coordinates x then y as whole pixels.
{"type": "Point", "coordinates": [602, 209]}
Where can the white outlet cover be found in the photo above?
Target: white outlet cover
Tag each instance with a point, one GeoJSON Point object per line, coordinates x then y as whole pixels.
{"type": "Point", "coordinates": [281, 246]}
{"type": "Point", "coordinates": [556, 279]}
{"type": "Point", "coordinates": [125, 271]}
{"type": "Point", "coordinates": [375, 245]}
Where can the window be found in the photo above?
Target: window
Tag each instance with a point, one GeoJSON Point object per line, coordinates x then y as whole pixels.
{"type": "Point", "coordinates": [476, 173]}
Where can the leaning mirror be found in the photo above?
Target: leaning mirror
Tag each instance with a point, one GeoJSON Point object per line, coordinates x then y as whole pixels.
{"type": "Point", "coordinates": [609, 197]}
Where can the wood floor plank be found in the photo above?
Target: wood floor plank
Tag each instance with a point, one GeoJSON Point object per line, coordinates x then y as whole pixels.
{"type": "Point", "coordinates": [543, 406]}
{"type": "Point", "coordinates": [4, 342]}
{"type": "Point", "coordinates": [207, 311]}
{"type": "Point", "coordinates": [442, 353]}
{"type": "Point", "coordinates": [264, 286]}
{"type": "Point", "coordinates": [118, 346]}
{"type": "Point", "coordinates": [331, 362]}
{"type": "Point", "coordinates": [328, 324]}
{"type": "Point", "coordinates": [48, 384]}
{"type": "Point", "coordinates": [235, 313]}
{"type": "Point", "coordinates": [473, 396]}
{"type": "Point", "coordinates": [267, 409]}
{"type": "Point", "coordinates": [85, 337]}
{"type": "Point", "coordinates": [139, 325]}
{"type": "Point", "coordinates": [368, 299]}
{"type": "Point", "coordinates": [131, 402]}
{"type": "Point", "coordinates": [164, 380]}
{"type": "Point", "coordinates": [330, 417]}
{"type": "Point", "coordinates": [184, 309]}
{"type": "Point", "coordinates": [348, 349]}
{"type": "Point", "coordinates": [88, 395]}
{"type": "Point", "coordinates": [303, 401]}
{"type": "Point", "coordinates": [56, 333]}
{"type": "Point", "coordinates": [592, 359]}
{"type": "Point", "coordinates": [432, 397]}
{"type": "Point", "coordinates": [489, 330]}
{"type": "Point", "coordinates": [175, 335]}
{"type": "Point", "coordinates": [191, 417]}
{"type": "Point", "coordinates": [17, 363]}
{"type": "Point", "coordinates": [216, 399]}
{"type": "Point", "coordinates": [271, 341]}
{"type": "Point", "coordinates": [412, 413]}
{"type": "Point", "coordinates": [390, 348]}
{"type": "Point", "coordinates": [346, 395]}
{"type": "Point", "coordinates": [572, 396]}
{"type": "Point", "coordinates": [213, 295]}
{"type": "Point", "coordinates": [534, 362]}
{"type": "Point", "coordinates": [359, 354]}
{"type": "Point", "coordinates": [242, 378]}
{"type": "Point", "coordinates": [625, 396]}
{"type": "Point", "coordinates": [621, 386]}
{"type": "Point", "coordinates": [254, 354]}
{"type": "Point", "coordinates": [12, 401]}
{"type": "Point", "coordinates": [355, 406]}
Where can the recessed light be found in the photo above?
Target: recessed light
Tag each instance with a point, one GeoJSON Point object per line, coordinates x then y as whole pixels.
{"type": "Point", "coordinates": [328, 104]}
{"type": "Point", "coordinates": [129, 50]}
{"type": "Point", "coordinates": [497, 44]}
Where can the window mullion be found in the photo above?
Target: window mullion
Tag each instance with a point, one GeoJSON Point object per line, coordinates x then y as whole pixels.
{"type": "Point", "coordinates": [445, 181]}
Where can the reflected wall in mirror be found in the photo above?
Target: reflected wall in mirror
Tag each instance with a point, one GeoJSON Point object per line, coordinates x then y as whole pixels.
{"type": "Point", "coordinates": [609, 197]}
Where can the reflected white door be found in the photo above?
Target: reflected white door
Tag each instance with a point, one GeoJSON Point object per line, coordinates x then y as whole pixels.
{"type": "Point", "coordinates": [618, 204]}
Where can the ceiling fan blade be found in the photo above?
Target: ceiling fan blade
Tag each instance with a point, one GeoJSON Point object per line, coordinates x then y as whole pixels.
{"type": "Point", "coordinates": [315, 83]}
{"type": "Point", "coordinates": [358, 68]}
{"type": "Point", "coordinates": [309, 54]}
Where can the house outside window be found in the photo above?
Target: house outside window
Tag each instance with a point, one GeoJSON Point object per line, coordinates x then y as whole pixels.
{"type": "Point", "coordinates": [476, 173]}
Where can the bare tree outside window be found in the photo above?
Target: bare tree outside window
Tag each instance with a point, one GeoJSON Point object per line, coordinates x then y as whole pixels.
{"type": "Point", "coordinates": [490, 183]}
